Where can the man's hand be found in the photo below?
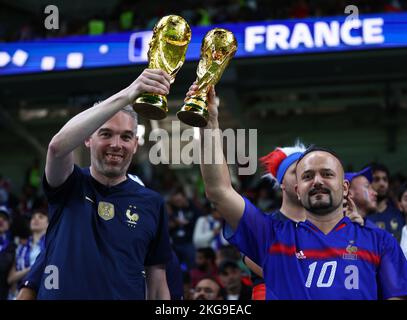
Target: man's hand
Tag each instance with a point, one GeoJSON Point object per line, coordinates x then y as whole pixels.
{"type": "Point", "coordinates": [26, 294]}
{"type": "Point", "coordinates": [213, 104]}
{"type": "Point", "coordinates": [151, 81]}
{"type": "Point", "coordinates": [352, 212]}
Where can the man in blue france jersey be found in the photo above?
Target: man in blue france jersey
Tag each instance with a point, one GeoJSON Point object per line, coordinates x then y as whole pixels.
{"type": "Point", "coordinates": [280, 165]}
{"type": "Point", "coordinates": [108, 235]}
{"type": "Point", "coordinates": [325, 257]}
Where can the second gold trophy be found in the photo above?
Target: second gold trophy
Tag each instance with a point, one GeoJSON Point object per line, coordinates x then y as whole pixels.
{"type": "Point", "coordinates": [218, 47]}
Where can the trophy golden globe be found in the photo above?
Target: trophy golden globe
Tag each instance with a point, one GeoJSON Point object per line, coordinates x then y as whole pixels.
{"type": "Point", "coordinates": [167, 49]}
{"type": "Point", "coordinates": [218, 47]}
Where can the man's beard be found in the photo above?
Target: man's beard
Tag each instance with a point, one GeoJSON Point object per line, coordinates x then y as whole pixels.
{"type": "Point", "coordinates": [381, 197]}
{"type": "Point", "coordinates": [292, 196]}
{"type": "Point", "coordinates": [202, 267]}
{"type": "Point", "coordinates": [320, 209]}
{"type": "Point", "coordinates": [371, 206]}
{"type": "Point", "coordinates": [110, 171]}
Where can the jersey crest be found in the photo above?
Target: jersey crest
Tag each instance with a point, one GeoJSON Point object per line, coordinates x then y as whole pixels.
{"type": "Point", "coordinates": [106, 210]}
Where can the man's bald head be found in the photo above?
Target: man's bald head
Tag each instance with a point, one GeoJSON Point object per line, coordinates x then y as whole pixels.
{"type": "Point", "coordinates": [313, 148]}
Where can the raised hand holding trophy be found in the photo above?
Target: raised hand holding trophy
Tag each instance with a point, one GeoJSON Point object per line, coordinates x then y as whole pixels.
{"type": "Point", "coordinates": [168, 46]}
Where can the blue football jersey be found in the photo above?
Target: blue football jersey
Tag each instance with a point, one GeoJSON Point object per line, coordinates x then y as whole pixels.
{"type": "Point", "coordinates": [100, 238]}
{"type": "Point", "coordinates": [391, 220]}
{"type": "Point", "coordinates": [301, 262]}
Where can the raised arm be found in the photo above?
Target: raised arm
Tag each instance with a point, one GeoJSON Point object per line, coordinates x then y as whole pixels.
{"type": "Point", "coordinates": [218, 186]}
{"type": "Point", "coordinates": [157, 287]}
{"type": "Point", "coordinates": [59, 164]}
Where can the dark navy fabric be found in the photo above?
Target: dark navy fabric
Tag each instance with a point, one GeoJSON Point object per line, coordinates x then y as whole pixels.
{"type": "Point", "coordinates": [100, 238]}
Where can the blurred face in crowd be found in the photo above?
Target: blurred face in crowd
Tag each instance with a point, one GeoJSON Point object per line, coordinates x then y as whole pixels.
{"type": "Point", "coordinates": [380, 184]}
{"type": "Point", "coordinates": [403, 203]}
{"type": "Point", "coordinates": [113, 145]}
{"type": "Point", "coordinates": [216, 215]}
{"type": "Point", "coordinates": [228, 252]}
{"type": "Point", "coordinates": [320, 184]}
{"type": "Point", "coordinates": [202, 263]}
{"type": "Point", "coordinates": [39, 222]}
{"type": "Point", "coordinates": [187, 291]}
{"type": "Point", "coordinates": [4, 223]}
{"type": "Point", "coordinates": [289, 182]}
{"type": "Point", "coordinates": [207, 289]}
{"type": "Point", "coordinates": [179, 200]}
{"type": "Point", "coordinates": [363, 194]}
{"type": "Point", "coordinates": [230, 278]}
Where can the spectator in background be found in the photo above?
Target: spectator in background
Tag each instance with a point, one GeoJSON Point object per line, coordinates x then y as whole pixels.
{"type": "Point", "coordinates": [208, 289]}
{"type": "Point", "coordinates": [126, 18]}
{"type": "Point", "coordinates": [231, 253]}
{"type": "Point", "coordinates": [362, 193]}
{"type": "Point", "coordinates": [183, 215]}
{"type": "Point", "coordinates": [205, 265]}
{"type": "Point", "coordinates": [28, 251]}
{"type": "Point", "coordinates": [392, 6]}
{"type": "Point", "coordinates": [402, 198]}
{"type": "Point", "coordinates": [27, 200]}
{"type": "Point", "coordinates": [228, 252]}
{"type": "Point", "coordinates": [7, 251]}
{"type": "Point", "coordinates": [96, 26]}
{"type": "Point", "coordinates": [388, 217]}
{"type": "Point", "coordinates": [208, 231]}
{"type": "Point", "coordinates": [230, 277]}
{"type": "Point", "coordinates": [299, 9]}
{"type": "Point", "coordinates": [280, 167]}
{"type": "Point", "coordinates": [265, 198]}
{"type": "Point", "coordinates": [186, 279]}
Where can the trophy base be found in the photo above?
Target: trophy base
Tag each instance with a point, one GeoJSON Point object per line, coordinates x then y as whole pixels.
{"type": "Point", "coordinates": [194, 113]}
{"type": "Point", "coordinates": [151, 106]}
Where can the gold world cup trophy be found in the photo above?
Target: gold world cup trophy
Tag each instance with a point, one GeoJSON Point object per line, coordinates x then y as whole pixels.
{"type": "Point", "coordinates": [167, 49]}
{"type": "Point", "coordinates": [218, 47]}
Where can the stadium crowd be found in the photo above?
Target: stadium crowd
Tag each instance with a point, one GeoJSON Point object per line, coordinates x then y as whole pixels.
{"type": "Point", "coordinates": [131, 15]}
{"type": "Point", "coordinates": [210, 267]}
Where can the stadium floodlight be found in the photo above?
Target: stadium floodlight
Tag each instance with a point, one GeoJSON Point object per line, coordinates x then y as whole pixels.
{"type": "Point", "coordinates": [103, 49]}
{"type": "Point", "coordinates": [4, 59]}
{"type": "Point", "coordinates": [20, 58]}
{"type": "Point", "coordinates": [74, 60]}
{"type": "Point", "coordinates": [47, 63]}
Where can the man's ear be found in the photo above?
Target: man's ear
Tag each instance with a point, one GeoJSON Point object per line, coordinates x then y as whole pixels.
{"type": "Point", "coordinates": [346, 186]}
{"type": "Point", "coordinates": [135, 145]}
{"type": "Point", "coordinates": [87, 142]}
{"type": "Point", "coordinates": [296, 191]}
